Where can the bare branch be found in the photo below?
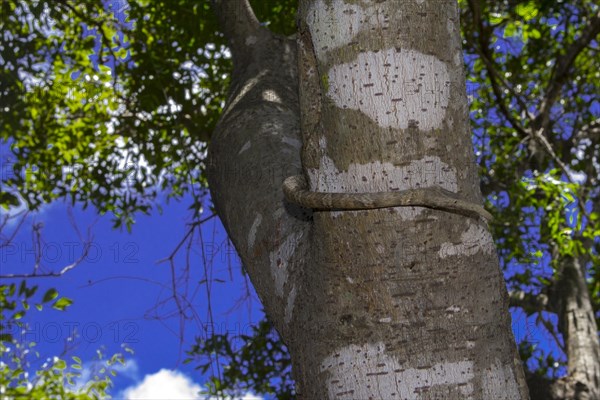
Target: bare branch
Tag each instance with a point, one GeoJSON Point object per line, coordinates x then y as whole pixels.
{"type": "Point", "coordinates": [191, 228]}
{"type": "Point", "coordinates": [7, 240]}
{"type": "Point", "coordinates": [38, 245]}
{"type": "Point", "coordinates": [52, 274]}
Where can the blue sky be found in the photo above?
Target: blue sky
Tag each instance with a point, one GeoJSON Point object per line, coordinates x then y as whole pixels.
{"type": "Point", "coordinates": [123, 296]}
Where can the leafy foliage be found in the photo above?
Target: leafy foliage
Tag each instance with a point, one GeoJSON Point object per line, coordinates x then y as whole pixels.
{"type": "Point", "coordinates": [15, 304]}
{"type": "Point", "coordinates": [106, 111]}
{"type": "Point", "coordinates": [20, 375]}
{"type": "Point", "coordinates": [57, 377]}
{"type": "Point", "coordinates": [261, 364]}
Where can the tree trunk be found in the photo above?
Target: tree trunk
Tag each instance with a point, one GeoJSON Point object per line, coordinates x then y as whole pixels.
{"type": "Point", "coordinates": [398, 302]}
{"type": "Point", "coordinates": [570, 301]}
{"type": "Point", "coordinates": [577, 325]}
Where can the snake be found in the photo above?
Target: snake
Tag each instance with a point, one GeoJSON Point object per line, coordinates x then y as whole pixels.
{"type": "Point", "coordinates": [295, 189]}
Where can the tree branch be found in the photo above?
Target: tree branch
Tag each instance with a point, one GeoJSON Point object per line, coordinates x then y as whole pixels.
{"type": "Point", "coordinates": [484, 52]}
{"type": "Point", "coordinates": [562, 68]}
{"type": "Point", "coordinates": [528, 301]}
{"type": "Point", "coordinates": [6, 241]}
{"type": "Point", "coordinates": [52, 274]}
{"type": "Point", "coordinates": [238, 22]}
{"type": "Point", "coordinates": [578, 326]}
{"type": "Point", "coordinates": [191, 228]}
{"type": "Point", "coordinates": [255, 146]}
{"type": "Point", "coordinates": [589, 131]}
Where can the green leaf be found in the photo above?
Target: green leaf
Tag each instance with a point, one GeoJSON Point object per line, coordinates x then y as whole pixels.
{"type": "Point", "coordinates": [495, 18]}
{"type": "Point", "coordinates": [534, 33]}
{"type": "Point", "coordinates": [22, 288]}
{"type": "Point", "coordinates": [8, 200]}
{"type": "Point", "coordinates": [11, 289]}
{"type": "Point", "coordinates": [511, 29]}
{"type": "Point", "coordinates": [18, 315]}
{"type": "Point", "coordinates": [6, 337]}
{"type": "Point", "coordinates": [50, 295]}
{"type": "Point", "coordinates": [62, 303]}
{"type": "Point", "coordinates": [527, 11]}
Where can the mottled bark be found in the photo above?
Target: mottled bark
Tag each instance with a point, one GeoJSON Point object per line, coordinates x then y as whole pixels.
{"type": "Point", "coordinates": [254, 147]}
{"type": "Point", "coordinates": [577, 324]}
{"type": "Point", "coordinates": [403, 302]}
{"type": "Point", "coordinates": [410, 301]}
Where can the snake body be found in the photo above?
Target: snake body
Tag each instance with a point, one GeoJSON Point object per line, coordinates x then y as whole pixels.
{"type": "Point", "coordinates": [296, 191]}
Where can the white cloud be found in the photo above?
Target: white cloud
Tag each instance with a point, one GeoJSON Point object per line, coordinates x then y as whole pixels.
{"type": "Point", "coordinates": [169, 385]}
{"type": "Point", "coordinates": [165, 384]}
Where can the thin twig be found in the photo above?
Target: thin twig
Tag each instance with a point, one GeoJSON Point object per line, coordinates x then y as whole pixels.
{"type": "Point", "coordinates": [193, 226]}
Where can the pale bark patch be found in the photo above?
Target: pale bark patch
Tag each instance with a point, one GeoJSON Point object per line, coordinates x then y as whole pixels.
{"type": "Point", "coordinates": [383, 176]}
{"type": "Point", "coordinates": [271, 95]}
{"type": "Point", "coordinates": [248, 85]}
{"type": "Point", "coordinates": [279, 212]}
{"type": "Point", "coordinates": [245, 147]}
{"type": "Point", "coordinates": [475, 239]}
{"type": "Point", "coordinates": [253, 230]}
{"type": "Point", "coordinates": [274, 127]}
{"type": "Point", "coordinates": [457, 58]}
{"type": "Point", "coordinates": [363, 372]}
{"type": "Point", "coordinates": [452, 309]}
{"type": "Point", "coordinates": [280, 258]}
{"type": "Point", "coordinates": [409, 213]}
{"type": "Point", "coordinates": [323, 142]}
{"type": "Point", "coordinates": [295, 143]}
{"type": "Point", "coordinates": [393, 87]}
{"type": "Point", "coordinates": [289, 306]}
{"type": "Point", "coordinates": [499, 379]}
{"type": "Point", "coordinates": [341, 21]}
{"type": "Point", "coordinates": [451, 28]}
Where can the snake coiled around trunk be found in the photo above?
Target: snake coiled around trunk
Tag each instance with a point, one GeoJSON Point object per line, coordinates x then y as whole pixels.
{"type": "Point", "coordinates": [296, 191]}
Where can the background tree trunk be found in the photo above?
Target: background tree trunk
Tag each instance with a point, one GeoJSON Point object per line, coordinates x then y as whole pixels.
{"type": "Point", "coordinates": [392, 303]}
